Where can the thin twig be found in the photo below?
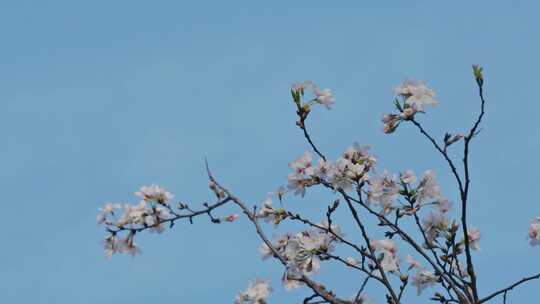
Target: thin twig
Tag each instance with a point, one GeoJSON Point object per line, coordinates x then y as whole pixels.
{"type": "Point", "coordinates": [504, 290]}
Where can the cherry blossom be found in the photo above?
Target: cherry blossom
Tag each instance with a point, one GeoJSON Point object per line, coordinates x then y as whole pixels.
{"type": "Point", "coordinates": [412, 262]}
{"type": "Point", "coordinates": [323, 97]}
{"type": "Point", "coordinates": [388, 249]}
{"type": "Point", "coordinates": [351, 261]}
{"type": "Point", "coordinates": [270, 214]}
{"type": "Point", "coordinates": [428, 188]}
{"type": "Point", "coordinates": [352, 166]}
{"type": "Point", "coordinates": [113, 244]}
{"type": "Point", "coordinates": [154, 193]}
{"type": "Point", "coordinates": [302, 174]}
{"type": "Point", "coordinates": [534, 231]}
{"type": "Point", "coordinates": [256, 293]}
{"type": "Point", "coordinates": [416, 94]}
{"type": "Point", "coordinates": [435, 225]}
{"type": "Point", "coordinates": [407, 177]}
{"type": "Point", "coordinates": [424, 279]}
{"type": "Point", "coordinates": [383, 191]}
{"type": "Point", "coordinates": [474, 238]}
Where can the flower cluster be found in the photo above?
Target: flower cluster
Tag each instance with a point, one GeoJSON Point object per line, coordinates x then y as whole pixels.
{"type": "Point", "coordinates": [303, 174]}
{"type": "Point", "coordinates": [256, 293]}
{"type": "Point", "coordinates": [303, 251]}
{"type": "Point", "coordinates": [352, 167]}
{"type": "Point", "coordinates": [271, 214]}
{"type": "Point", "coordinates": [113, 244]}
{"type": "Point", "coordinates": [383, 191]}
{"type": "Point", "coordinates": [151, 212]}
{"type": "Point", "coordinates": [414, 98]}
{"type": "Point", "coordinates": [349, 169]}
{"type": "Point", "coordinates": [154, 193]}
{"type": "Point", "coordinates": [134, 216]}
{"type": "Point", "coordinates": [435, 225]}
{"type": "Point", "coordinates": [388, 254]}
{"type": "Point", "coordinates": [423, 278]}
{"type": "Point", "coordinates": [323, 97]}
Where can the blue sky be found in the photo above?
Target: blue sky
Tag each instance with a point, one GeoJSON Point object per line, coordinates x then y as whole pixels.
{"type": "Point", "coordinates": [101, 97]}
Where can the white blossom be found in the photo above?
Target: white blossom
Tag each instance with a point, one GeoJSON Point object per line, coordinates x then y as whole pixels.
{"type": "Point", "coordinates": [407, 113]}
{"type": "Point", "coordinates": [279, 193]}
{"type": "Point", "coordinates": [270, 214]}
{"type": "Point", "coordinates": [154, 193]}
{"type": "Point", "coordinates": [416, 94]}
{"type": "Point", "coordinates": [280, 242]}
{"type": "Point", "coordinates": [428, 187]}
{"type": "Point", "coordinates": [302, 175]}
{"type": "Point", "coordinates": [443, 205]}
{"type": "Point", "coordinates": [265, 251]}
{"type": "Point", "coordinates": [459, 269]}
{"type": "Point", "coordinates": [424, 279]}
{"type": "Point", "coordinates": [534, 231]}
{"type": "Point", "coordinates": [130, 247]}
{"type": "Point", "coordinates": [323, 97]}
{"type": "Point", "coordinates": [302, 251]}
{"type": "Point", "coordinates": [412, 262]}
{"type": "Point", "coordinates": [113, 244]}
{"type": "Point", "coordinates": [289, 281]}
{"type": "Point", "coordinates": [322, 169]}
{"type": "Point", "coordinates": [336, 229]}
{"type": "Point", "coordinates": [352, 166]}
{"type": "Point", "coordinates": [434, 225]}
{"type": "Point", "coordinates": [391, 122]}
{"type": "Point", "coordinates": [351, 261]}
{"type": "Point", "coordinates": [408, 177]}
{"type": "Point", "coordinates": [256, 293]}
{"type": "Point", "coordinates": [388, 249]}
{"type": "Point", "coordinates": [383, 191]}
{"type": "Point", "coordinates": [107, 210]}
{"type": "Point", "coordinates": [474, 238]}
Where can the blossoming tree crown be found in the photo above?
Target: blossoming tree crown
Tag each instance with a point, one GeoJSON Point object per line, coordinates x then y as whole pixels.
{"type": "Point", "coordinates": [437, 254]}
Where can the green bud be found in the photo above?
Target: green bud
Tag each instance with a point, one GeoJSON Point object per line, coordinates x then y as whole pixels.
{"type": "Point", "coordinates": [477, 71]}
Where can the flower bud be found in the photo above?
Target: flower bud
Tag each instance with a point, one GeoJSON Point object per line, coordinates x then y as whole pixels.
{"type": "Point", "coordinates": [477, 71]}
{"type": "Point", "coordinates": [407, 114]}
{"type": "Point", "coordinates": [448, 139]}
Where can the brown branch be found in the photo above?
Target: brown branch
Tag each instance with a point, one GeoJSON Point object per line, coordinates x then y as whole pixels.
{"type": "Point", "coordinates": [171, 221]}
{"type": "Point", "coordinates": [505, 290]}
{"type": "Point", "coordinates": [316, 287]}
{"type": "Point", "coordinates": [464, 194]}
{"type": "Point", "coordinates": [302, 125]}
{"type": "Point", "coordinates": [442, 151]}
{"type": "Point", "coordinates": [385, 281]}
{"type": "Point", "coordinates": [407, 238]}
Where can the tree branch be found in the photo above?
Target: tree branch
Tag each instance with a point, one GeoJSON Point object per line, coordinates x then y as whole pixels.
{"type": "Point", "coordinates": [505, 290]}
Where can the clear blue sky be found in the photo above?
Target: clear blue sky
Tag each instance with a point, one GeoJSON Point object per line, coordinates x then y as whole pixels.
{"type": "Point", "coordinates": [101, 97]}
